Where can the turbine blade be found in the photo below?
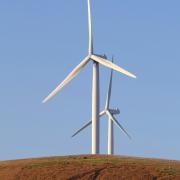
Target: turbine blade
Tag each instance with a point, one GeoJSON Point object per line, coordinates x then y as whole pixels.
{"type": "Point", "coordinates": [90, 28]}
{"type": "Point", "coordinates": [118, 124]}
{"type": "Point", "coordinates": [109, 91]}
{"type": "Point", "coordinates": [111, 65]}
{"type": "Point", "coordinates": [71, 75]}
{"type": "Point", "coordinates": [87, 124]}
{"type": "Point", "coordinates": [101, 113]}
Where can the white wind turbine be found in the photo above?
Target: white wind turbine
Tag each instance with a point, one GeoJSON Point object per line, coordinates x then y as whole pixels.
{"type": "Point", "coordinates": [96, 59]}
{"type": "Point", "coordinates": [111, 119]}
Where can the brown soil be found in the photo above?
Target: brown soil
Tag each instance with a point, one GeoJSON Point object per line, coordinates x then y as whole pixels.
{"type": "Point", "coordinates": [89, 167]}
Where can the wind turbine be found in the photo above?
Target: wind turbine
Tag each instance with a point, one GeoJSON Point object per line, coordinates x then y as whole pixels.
{"type": "Point", "coordinates": [96, 59]}
{"type": "Point", "coordinates": [111, 119]}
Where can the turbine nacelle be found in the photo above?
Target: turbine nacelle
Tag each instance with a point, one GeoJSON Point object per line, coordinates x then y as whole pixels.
{"type": "Point", "coordinates": [114, 111]}
{"type": "Point", "coordinates": [101, 56]}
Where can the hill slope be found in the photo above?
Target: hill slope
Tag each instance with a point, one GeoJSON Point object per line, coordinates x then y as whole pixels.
{"type": "Point", "coordinates": [89, 167]}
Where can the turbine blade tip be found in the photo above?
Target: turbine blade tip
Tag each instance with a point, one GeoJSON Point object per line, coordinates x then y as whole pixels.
{"type": "Point", "coordinates": [44, 101]}
{"type": "Point", "coordinates": [133, 76]}
{"type": "Point", "coordinates": [73, 135]}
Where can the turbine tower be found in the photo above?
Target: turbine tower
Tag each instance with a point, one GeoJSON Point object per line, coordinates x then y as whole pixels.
{"type": "Point", "coordinates": [96, 59]}
{"type": "Point", "coordinates": [111, 119]}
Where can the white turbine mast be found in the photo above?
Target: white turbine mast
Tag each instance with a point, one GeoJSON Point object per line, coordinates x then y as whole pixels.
{"type": "Point", "coordinates": [96, 59]}
{"type": "Point", "coordinates": [111, 119]}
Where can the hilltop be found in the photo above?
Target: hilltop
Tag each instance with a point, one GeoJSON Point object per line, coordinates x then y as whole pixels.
{"type": "Point", "coordinates": [89, 167]}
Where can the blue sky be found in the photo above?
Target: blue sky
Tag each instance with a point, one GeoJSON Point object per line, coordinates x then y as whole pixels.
{"type": "Point", "coordinates": [41, 42]}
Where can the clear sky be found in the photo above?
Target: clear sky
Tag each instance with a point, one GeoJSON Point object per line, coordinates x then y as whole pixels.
{"type": "Point", "coordinates": [42, 41]}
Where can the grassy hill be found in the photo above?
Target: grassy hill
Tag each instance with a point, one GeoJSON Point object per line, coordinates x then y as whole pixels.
{"type": "Point", "coordinates": [89, 167]}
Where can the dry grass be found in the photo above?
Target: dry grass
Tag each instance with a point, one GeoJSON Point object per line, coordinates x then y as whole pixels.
{"type": "Point", "coordinates": [89, 167]}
